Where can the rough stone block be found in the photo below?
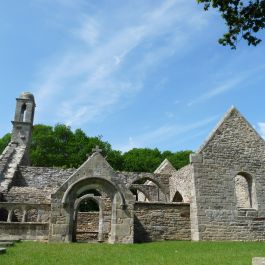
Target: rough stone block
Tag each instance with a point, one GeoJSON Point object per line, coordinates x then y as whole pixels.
{"type": "Point", "coordinates": [258, 261]}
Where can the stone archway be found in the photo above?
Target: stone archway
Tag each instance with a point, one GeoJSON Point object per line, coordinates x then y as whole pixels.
{"type": "Point", "coordinates": [121, 219]}
{"type": "Point", "coordinates": [88, 223]}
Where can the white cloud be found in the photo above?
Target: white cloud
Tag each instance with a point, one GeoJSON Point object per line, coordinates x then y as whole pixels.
{"type": "Point", "coordinates": [83, 84]}
{"type": "Point", "coordinates": [89, 31]}
{"type": "Point", "coordinates": [228, 83]}
{"type": "Point", "coordinates": [222, 88]}
{"type": "Point", "coordinates": [164, 133]}
{"type": "Point", "coordinates": [262, 129]}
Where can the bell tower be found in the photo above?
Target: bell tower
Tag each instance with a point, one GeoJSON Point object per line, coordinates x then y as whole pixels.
{"type": "Point", "coordinates": [23, 121]}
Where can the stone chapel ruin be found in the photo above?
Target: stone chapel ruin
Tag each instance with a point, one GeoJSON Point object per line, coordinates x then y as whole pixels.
{"type": "Point", "coordinates": [220, 195]}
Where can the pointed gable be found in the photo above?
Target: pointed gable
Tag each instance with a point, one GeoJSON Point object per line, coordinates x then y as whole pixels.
{"type": "Point", "coordinates": [165, 168]}
{"type": "Point", "coordinates": [233, 136]}
{"type": "Point", "coordinates": [95, 166]}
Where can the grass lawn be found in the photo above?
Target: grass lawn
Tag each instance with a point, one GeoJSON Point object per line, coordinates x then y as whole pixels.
{"type": "Point", "coordinates": [159, 253]}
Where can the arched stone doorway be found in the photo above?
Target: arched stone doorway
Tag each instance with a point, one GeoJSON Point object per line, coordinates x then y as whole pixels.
{"type": "Point", "coordinates": [117, 226]}
{"type": "Point", "coordinates": [92, 217]}
{"type": "Point", "coordinates": [87, 216]}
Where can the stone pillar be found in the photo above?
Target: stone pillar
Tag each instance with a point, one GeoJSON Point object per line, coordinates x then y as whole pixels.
{"type": "Point", "coordinates": [195, 160]}
{"type": "Point", "coordinates": [24, 216]}
{"type": "Point", "coordinates": [9, 218]}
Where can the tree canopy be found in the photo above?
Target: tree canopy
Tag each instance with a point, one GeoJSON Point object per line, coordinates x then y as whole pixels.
{"type": "Point", "coordinates": [59, 146]}
{"type": "Point", "coordinates": [243, 18]}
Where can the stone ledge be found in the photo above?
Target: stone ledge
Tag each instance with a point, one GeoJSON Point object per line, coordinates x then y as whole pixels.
{"type": "Point", "coordinates": [26, 223]}
{"type": "Point", "coordinates": [3, 204]}
{"type": "Point", "coordinates": [164, 203]}
{"type": "Point", "coordinates": [258, 261]}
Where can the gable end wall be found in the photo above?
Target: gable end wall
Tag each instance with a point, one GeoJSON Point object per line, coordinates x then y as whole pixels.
{"type": "Point", "coordinates": [234, 147]}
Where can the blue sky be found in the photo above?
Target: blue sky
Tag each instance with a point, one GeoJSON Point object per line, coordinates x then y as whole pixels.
{"type": "Point", "coordinates": [141, 73]}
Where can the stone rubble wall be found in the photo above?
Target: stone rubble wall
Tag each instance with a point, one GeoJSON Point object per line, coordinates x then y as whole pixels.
{"type": "Point", "coordinates": [161, 221]}
{"type": "Point", "coordinates": [28, 195]}
{"type": "Point", "coordinates": [40, 177]}
{"type": "Point", "coordinates": [36, 184]}
{"type": "Point", "coordinates": [87, 226]}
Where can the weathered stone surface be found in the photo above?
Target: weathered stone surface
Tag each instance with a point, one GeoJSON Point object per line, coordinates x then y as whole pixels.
{"type": "Point", "coordinates": [161, 221]}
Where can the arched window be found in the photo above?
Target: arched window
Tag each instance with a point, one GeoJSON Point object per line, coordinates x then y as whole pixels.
{"type": "Point", "coordinates": [177, 197]}
{"type": "Point", "coordinates": [88, 205]}
{"type": "Point", "coordinates": [244, 191]}
{"type": "Point", "coordinates": [147, 190]}
{"type": "Point", "coordinates": [23, 112]}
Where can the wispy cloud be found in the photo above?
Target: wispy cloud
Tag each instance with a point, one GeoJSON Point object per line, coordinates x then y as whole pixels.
{"type": "Point", "coordinates": [228, 83]}
{"type": "Point", "coordinates": [89, 31]}
{"type": "Point", "coordinates": [262, 129]}
{"type": "Point", "coordinates": [83, 84]}
{"type": "Point", "coordinates": [222, 88]}
{"type": "Point", "coordinates": [164, 133]}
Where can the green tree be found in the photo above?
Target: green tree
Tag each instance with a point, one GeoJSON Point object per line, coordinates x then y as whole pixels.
{"type": "Point", "coordinates": [244, 19]}
{"type": "Point", "coordinates": [116, 159]}
{"type": "Point", "coordinates": [142, 160]}
{"type": "Point", "coordinates": [60, 146]}
{"type": "Point", "coordinates": [178, 159]}
{"type": "Point", "coordinates": [4, 141]}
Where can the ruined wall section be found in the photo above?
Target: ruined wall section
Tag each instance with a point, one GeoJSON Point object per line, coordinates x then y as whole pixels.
{"type": "Point", "coordinates": [180, 182]}
{"type": "Point", "coordinates": [11, 157]}
{"type": "Point", "coordinates": [161, 180]}
{"type": "Point", "coordinates": [234, 147]}
{"type": "Point", "coordinates": [161, 221]}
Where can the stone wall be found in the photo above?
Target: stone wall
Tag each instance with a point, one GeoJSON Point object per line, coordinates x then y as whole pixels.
{"type": "Point", "coordinates": [40, 177]}
{"type": "Point", "coordinates": [24, 231]}
{"type": "Point", "coordinates": [87, 226]}
{"type": "Point", "coordinates": [161, 221]}
{"type": "Point", "coordinates": [233, 149]}
{"type": "Point", "coordinates": [28, 195]}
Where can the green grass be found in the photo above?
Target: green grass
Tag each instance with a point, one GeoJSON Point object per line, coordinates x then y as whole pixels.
{"type": "Point", "coordinates": [159, 253]}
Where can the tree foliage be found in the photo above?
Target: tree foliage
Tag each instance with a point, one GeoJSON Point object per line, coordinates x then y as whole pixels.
{"type": "Point", "coordinates": [243, 18]}
{"type": "Point", "coordinates": [4, 141]}
{"type": "Point", "coordinates": [59, 146]}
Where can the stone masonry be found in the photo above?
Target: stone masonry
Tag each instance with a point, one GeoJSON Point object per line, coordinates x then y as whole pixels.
{"type": "Point", "coordinates": [220, 195]}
